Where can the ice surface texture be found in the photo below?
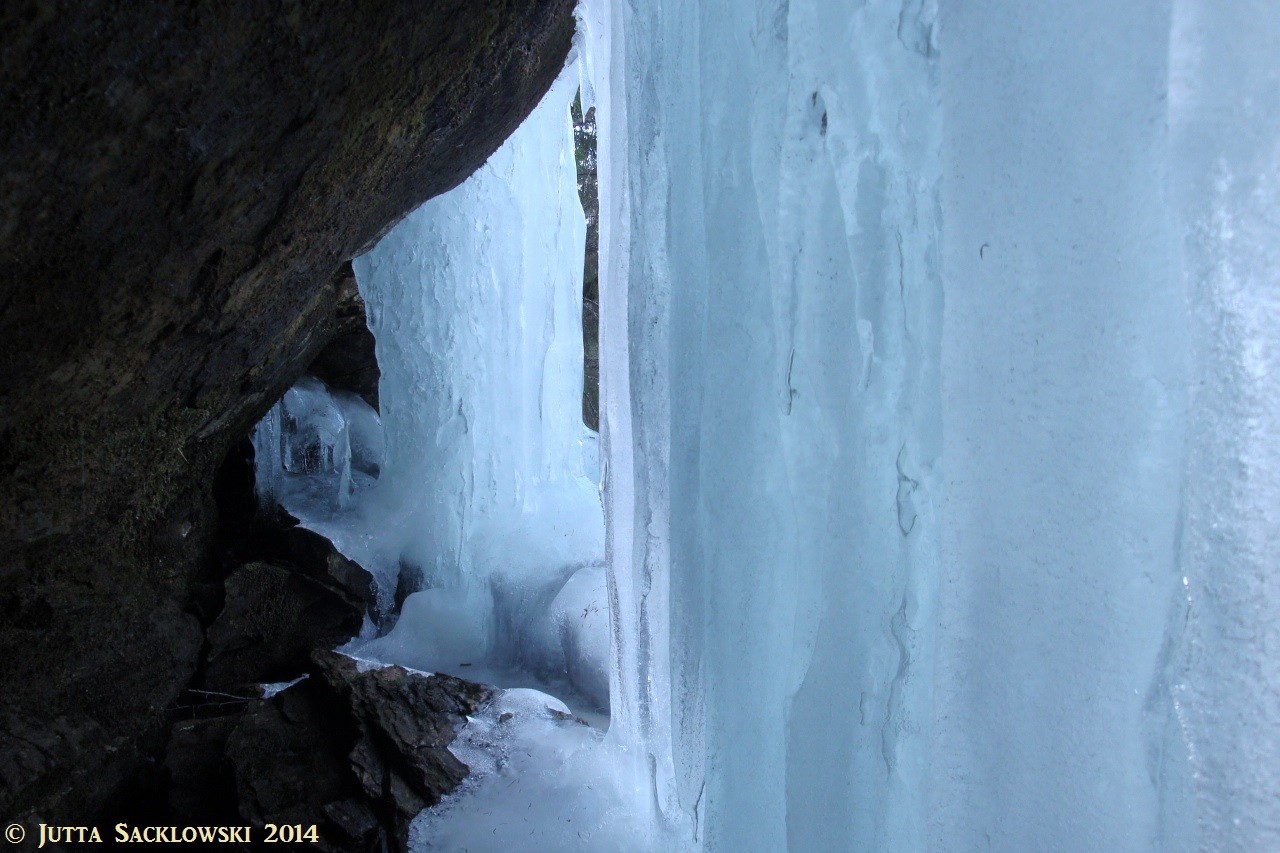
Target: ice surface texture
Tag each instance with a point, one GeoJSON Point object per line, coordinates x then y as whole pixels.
{"type": "Point", "coordinates": [941, 399]}
{"type": "Point", "coordinates": [1218, 694]}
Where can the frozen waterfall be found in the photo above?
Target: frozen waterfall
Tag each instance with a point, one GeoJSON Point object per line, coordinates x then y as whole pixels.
{"type": "Point", "coordinates": [940, 355]}
{"type": "Point", "coordinates": [486, 505]}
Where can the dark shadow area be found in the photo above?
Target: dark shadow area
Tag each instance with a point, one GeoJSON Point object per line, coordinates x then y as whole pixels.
{"type": "Point", "coordinates": [584, 143]}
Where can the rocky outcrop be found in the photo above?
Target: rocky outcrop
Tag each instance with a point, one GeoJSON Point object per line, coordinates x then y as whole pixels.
{"type": "Point", "coordinates": [273, 618]}
{"type": "Point", "coordinates": [314, 555]}
{"type": "Point", "coordinates": [357, 754]}
{"type": "Point", "coordinates": [181, 186]}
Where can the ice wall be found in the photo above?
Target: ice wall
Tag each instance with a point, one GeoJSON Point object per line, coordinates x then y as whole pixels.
{"type": "Point", "coordinates": [1064, 418]}
{"type": "Point", "coordinates": [781, 304]}
{"type": "Point", "coordinates": [940, 420]}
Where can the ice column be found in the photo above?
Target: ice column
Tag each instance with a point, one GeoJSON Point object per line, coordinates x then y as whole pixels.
{"type": "Point", "coordinates": [475, 300]}
{"type": "Point", "coordinates": [634, 460]}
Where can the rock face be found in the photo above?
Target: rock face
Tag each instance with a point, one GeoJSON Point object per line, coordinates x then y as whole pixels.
{"type": "Point", "coordinates": [349, 362]}
{"type": "Point", "coordinates": [181, 186]}
{"type": "Point", "coordinates": [358, 754]}
{"type": "Point", "coordinates": [404, 723]}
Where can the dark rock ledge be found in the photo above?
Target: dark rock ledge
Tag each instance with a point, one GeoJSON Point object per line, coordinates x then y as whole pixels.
{"type": "Point", "coordinates": [357, 754]}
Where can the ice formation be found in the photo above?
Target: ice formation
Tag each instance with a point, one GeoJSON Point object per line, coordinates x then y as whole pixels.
{"type": "Point", "coordinates": [487, 492]}
{"type": "Point", "coordinates": [940, 353]}
{"type": "Point", "coordinates": [941, 390]}
{"type": "Point", "coordinates": [317, 447]}
{"type": "Point", "coordinates": [488, 489]}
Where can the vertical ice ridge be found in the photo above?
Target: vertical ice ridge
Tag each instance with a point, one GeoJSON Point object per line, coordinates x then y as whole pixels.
{"type": "Point", "coordinates": [896, 719]}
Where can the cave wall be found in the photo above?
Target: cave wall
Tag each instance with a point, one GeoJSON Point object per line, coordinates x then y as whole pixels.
{"type": "Point", "coordinates": [181, 187]}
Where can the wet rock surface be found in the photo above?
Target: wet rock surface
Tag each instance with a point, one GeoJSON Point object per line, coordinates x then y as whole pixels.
{"type": "Point", "coordinates": [181, 187]}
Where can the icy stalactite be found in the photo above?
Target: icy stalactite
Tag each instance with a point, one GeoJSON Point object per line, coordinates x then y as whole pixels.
{"type": "Point", "coordinates": [316, 448]}
{"type": "Point", "coordinates": [639, 669]}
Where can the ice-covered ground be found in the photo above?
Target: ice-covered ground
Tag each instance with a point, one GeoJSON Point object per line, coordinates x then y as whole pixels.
{"type": "Point", "coordinates": [540, 781]}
